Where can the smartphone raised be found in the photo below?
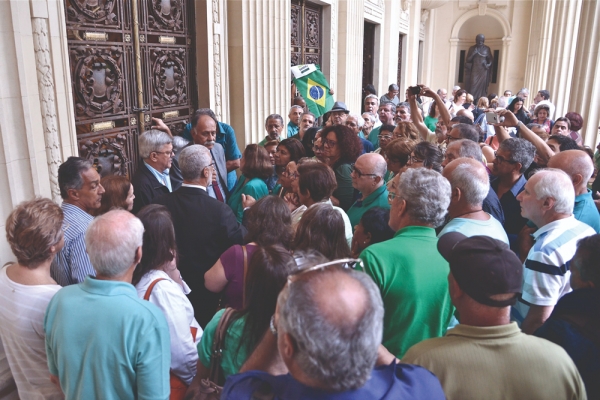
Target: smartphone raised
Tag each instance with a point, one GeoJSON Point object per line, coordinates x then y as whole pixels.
{"type": "Point", "coordinates": [492, 118]}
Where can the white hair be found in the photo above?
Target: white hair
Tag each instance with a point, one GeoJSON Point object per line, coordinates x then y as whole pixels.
{"type": "Point", "coordinates": [152, 140]}
{"type": "Point", "coordinates": [372, 96]}
{"type": "Point", "coordinates": [370, 115]}
{"type": "Point", "coordinates": [556, 184]}
{"type": "Point", "coordinates": [427, 195]}
{"type": "Point", "coordinates": [193, 160]}
{"type": "Point", "coordinates": [295, 106]}
{"type": "Point", "coordinates": [359, 119]}
{"type": "Point", "coordinates": [111, 241]}
{"type": "Point", "coordinates": [474, 186]}
{"type": "Point", "coordinates": [455, 88]}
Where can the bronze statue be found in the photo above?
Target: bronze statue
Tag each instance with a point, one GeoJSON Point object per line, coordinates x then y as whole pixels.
{"type": "Point", "coordinates": [478, 68]}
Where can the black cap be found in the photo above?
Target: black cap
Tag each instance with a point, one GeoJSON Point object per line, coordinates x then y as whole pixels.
{"type": "Point", "coordinates": [483, 267]}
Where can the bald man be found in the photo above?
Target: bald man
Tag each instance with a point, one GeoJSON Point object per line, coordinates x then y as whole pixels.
{"type": "Point", "coordinates": [367, 177]}
{"type": "Point", "coordinates": [470, 185]}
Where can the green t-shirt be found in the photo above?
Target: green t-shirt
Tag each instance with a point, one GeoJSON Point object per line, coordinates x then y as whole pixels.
{"type": "Point", "coordinates": [379, 198]}
{"type": "Point", "coordinates": [430, 123]}
{"type": "Point", "coordinates": [255, 187]}
{"type": "Point", "coordinates": [234, 355]}
{"type": "Point", "coordinates": [412, 277]}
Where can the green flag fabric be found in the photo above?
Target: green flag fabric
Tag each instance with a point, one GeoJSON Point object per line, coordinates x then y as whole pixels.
{"type": "Point", "coordinates": [313, 87]}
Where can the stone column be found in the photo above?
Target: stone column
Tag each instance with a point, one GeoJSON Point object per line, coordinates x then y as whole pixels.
{"type": "Point", "coordinates": [350, 53]}
{"type": "Point", "coordinates": [259, 52]}
{"type": "Point", "coordinates": [390, 36]}
{"type": "Point", "coordinates": [412, 49]}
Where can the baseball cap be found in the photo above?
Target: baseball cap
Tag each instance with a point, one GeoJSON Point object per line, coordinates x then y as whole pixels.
{"type": "Point", "coordinates": [483, 267]}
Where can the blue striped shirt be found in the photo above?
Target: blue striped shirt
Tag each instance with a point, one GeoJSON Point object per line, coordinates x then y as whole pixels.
{"type": "Point", "coordinates": [71, 265]}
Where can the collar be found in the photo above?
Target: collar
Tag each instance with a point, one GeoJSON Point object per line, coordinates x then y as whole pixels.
{"type": "Point", "coordinates": [584, 196]}
{"type": "Point", "coordinates": [72, 209]}
{"type": "Point", "coordinates": [107, 288]}
{"type": "Point", "coordinates": [193, 186]}
{"type": "Point", "coordinates": [370, 199]}
{"type": "Point", "coordinates": [293, 125]}
{"type": "Point", "coordinates": [413, 230]}
{"type": "Point", "coordinates": [152, 169]}
{"type": "Point", "coordinates": [552, 225]}
{"type": "Point", "coordinates": [485, 332]}
{"type": "Point", "coordinates": [516, 189]}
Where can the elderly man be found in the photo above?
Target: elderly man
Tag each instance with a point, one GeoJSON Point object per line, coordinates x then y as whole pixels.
{"type": "Point", "coordinates": [486, 356]}
{"type": "Point", "coordinates": [547, 200]}
{"type": "Point", "coordinates": [412, 256]}
{"type": "Point", "coordinates": [367, 177]}
{"type": "Point", "coordinates": [274, 127]}
{"type": "Point", "coordinates": [294, 125]}
{"type": "Point", "coordinates": [402, 113]}
{"type": "Point", "coordinates": [370, 120]}
{"type": "Point", "coordinates": [391, 95]}
{"type": "Point", "coordinates": [356, 123]}
{"type": "Point", "coordinates": [470, 186]}
{"type": "Point", "coordinates": [386, 116]}
{"type": "Point", "coordinates": [513, 157]}
{"type": "Point", "coordinates": [102, 340]}
{"type": "Point", "coordinates": [152, 177]}
{"type": "Point", "coordinates": [339, 113]}
{"type": "Point", "coordinates": [372, 106]}
{"type": "Point", "coordinates": [204, 227]}
{"type": "Point", "coordinates": [573, 324]}
{"type": "Point", "coordinates": [326, 331]}
{"type": "Point", "coordinates": [81, 192]}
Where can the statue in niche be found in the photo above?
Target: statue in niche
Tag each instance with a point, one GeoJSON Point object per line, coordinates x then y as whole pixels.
{"type": "Point", "coordinates": [478, 68]}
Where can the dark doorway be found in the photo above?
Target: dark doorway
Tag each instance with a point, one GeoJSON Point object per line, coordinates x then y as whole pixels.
{"type": "Point", "coordinates": [306, 32]}
{"type": "Point", "coordinates": [399, 77]}
{"type": "Point", "coordinates": [368, 53]}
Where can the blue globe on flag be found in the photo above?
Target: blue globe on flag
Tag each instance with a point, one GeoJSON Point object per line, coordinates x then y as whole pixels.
{"type": "Point", "coordinates": [316, 92]}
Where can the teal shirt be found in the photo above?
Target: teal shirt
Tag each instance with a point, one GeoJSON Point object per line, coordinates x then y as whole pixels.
{"type": "Point", "coordinates": [430, 123]}
{"type": "Point", "coordinates": [585, 210]}
{"type": "Point", "coordinates": [255, 187]}
{"type": "Point", "coordinates": [292, 129]}
{"type": "Point", "coordinates": [374, 137]}
{"type": "Point", "coordinates": [104, 342]}
{"type": "Point", "coordinates": [412, 277]}
{"type": "Point", "coordinates": [379, 198]}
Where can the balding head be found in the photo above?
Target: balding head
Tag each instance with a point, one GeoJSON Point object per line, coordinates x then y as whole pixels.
{"type": "Point", "coordinates": [471, 178]}
{"type": "Point", "coordinates": [465, 113]}
{"type": "Point", "coordinates": [462, 148]}
{"type": "Point", "coordinates": [368, 173]}
{"type": "Point", "coordinates": [577, 164]}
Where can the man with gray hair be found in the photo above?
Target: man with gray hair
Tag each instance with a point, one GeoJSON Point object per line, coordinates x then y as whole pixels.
{"type": "Point", "coordinates": [294, 125]}
{"type": "Point", "coordinates": [204, 227]}
{"type": "Point", "coordinates": [81, 192]}
{"type": "Point", "coordinates": [403, 112]}
{"type": "Point", "coordinates": [326, 332]}
{"type": "Point", "coordinates": [152, 177]}
{"type": "Point", "coordinates": [102, 340]}
{"type": "Point", "coordinates": [391, 95]}
{"type": "Point", "coordinates": [367, 177]}
{"type": "Point", "coordinates": [386, 116]}
{"type": "Point", "coordinates": [548, 201]}
{"type": "Point", "coordinates": [356, 123]}
{"type": "Point", "coordinates": [470, 185]}
{"type": "Point", "coordinates": [419, 199]}
{"type": "Point", "coordinates": [369, 123]}
{"type": "Point", "coordinates": [372, 106]}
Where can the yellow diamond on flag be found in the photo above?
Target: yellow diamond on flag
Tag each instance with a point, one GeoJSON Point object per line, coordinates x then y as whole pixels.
{"type": "Point", "coordinates": [316, 92]}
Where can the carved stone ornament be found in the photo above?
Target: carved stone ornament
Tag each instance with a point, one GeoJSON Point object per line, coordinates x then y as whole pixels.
{"type": "Point", "coordinates": [169, 77]}
{"type": "Point", "coordinates": [166, 14]}
{"type": "Point", "coordinates": [404, 5]}
{"type": "Point", "coordinates": [98, 80]}
{"type": "Point", "coordinates": [107, 154]}
{"type": "Point", "coordinates": [94, 11]}
{"type": "Point", "coordinates": [312, 29]}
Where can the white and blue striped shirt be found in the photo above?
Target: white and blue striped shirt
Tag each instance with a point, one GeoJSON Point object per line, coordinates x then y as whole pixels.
{"type": "Point", "coordinates": [71, 265]}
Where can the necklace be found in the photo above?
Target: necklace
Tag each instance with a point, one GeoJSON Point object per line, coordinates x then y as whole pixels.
{"type": "Point", "coordinates": [467, 213]}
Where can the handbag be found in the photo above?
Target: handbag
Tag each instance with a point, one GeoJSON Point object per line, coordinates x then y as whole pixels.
{"type": "Point", "coordinates": [178, 386]}
{"type": "Point", "coordinates": [211, 387]}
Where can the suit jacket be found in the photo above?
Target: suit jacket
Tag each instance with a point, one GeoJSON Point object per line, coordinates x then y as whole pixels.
{"type": "Point", "coordinates": [146, 187]}
{"type": "Point", "coordinates": [204, 229]}
{"type": "Point", "coordinates": [218, 155]}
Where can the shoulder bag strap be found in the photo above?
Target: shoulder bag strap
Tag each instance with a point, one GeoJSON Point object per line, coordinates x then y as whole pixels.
{"type": "Point", "coordinates": [149, 290]}
{"type": "Point", "coordinates": [217, 348]}
{"type": "Point", "coordinates": [245, 273]}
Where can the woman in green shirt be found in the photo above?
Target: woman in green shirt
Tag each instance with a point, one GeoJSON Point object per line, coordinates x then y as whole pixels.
{"type": "Point", "coordinates": [256, 168]}
{"type": "Point", "coordinates": [267, 275]}
{"type": "Point", "coordinates": [432, 118]}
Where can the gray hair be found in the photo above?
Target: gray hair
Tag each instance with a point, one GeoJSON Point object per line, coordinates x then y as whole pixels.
{"type": "Point", "coordinates": [390, 104]}
{"type": "Point", "coordinates": [359, 119]}
{"type": "Point", "coordinates": [111, 241]}
{"type": "Point", "coordinates": [439, 91]}
{"type": "Point", "coordinates": [372, 96]}
{"type": "Point", "coordinates": [521, 151]}
{"type": "Point", "coordinates": [467, 131]}
{"type": "Point", "coordinates": [274, 116]}
{"type": "Point", "coordinates": [427, 195]}
{"type": "Point", "coordinates": [152, 140]}
{"type": "Point", "coordinates": [456, 88]}
{"type": "Point", "coordinates": [473, 186]}
{"type": "Point", "coordinates": [393, 86]}
{"type": "Point", "coordinates": [69, 174]}
{"type": "Point", "coordinates": [340, 356]}
{"type": "Point", "coordinates": [523, 90]}
{"type": "Point", "coordinates": [179, 143]}
{"type": "Point", "coordinates": [468, 149]}
{"type": "Point", "coordinates": [295, 106]}
{"type": "Point", "coordinates": [556, 184]}
{"type": "Point", "coordinates": [403, 104]}
{"type": "Point", "coordinates": [203, 111]}
{"type": "Point", "coordinates": [193, 160]}
{"type": "Point", "coordinates": [371, 116]}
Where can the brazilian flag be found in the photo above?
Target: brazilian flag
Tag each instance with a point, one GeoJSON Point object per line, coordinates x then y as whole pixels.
{"type": "Point", "coordinates": [313, 86]}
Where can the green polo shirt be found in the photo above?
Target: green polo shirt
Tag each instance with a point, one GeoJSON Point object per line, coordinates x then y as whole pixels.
{"type": "Point", "coordinates": [412, 277]}
{"type": "Point", "coordinates": [379, 198]}
{"type": "Point", "coordinates": [374, 137]}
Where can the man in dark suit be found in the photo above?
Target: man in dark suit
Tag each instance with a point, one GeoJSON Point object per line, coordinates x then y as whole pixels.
{"type": "Point", "coordinates": [152, 178]}
{"type": "Point", "coordinates": [204, 227]}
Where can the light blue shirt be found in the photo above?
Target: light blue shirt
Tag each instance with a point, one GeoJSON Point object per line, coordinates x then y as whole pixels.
{"type": "Point", "coordinates": [162, 177]}
{"type": "Point", "coordinates": [474, 227]}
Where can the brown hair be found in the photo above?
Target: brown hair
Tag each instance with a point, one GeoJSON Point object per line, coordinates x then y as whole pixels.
{"type": "Point", "coordinates": [116, 190]}
{"type": "Point", "coordinates": [257, 163]}
{"type": "Point", "coordinates": [322, 229]}
{"type": "Point", "coordinates": [408, 130]}
{"type": "Point", "coordinates": [399, 149]}
{"type": "Point", "coordinates": [318, 179]}
{"type": "Point", "coordinates": [269, 223]}
{"type": "Point", "coordinates": [32, 228]}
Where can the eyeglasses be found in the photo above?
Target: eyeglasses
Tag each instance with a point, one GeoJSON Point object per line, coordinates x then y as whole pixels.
{"type": "Point", "coordinates": [168, 153]}
{"type": "Point", "coordinates": [358, 173]}
{"type": "Point", "coordinates": [502, 159]}
{"type": "Point", "coordinates": [329, 143]}
{"type": "Point", "coordinates": [451, 138]}
{"type": "Point", "coordinates": [413, 160]}
{"type": "Point", "coordinates": [391, 196]}
{"type": "Point", "coordinates": [291, 175]}
{"type": "Point", "coordinates": [386, 137]}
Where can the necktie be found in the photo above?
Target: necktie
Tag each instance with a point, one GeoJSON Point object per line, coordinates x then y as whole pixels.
{"type": "Point", "coordinates": [217, 190]}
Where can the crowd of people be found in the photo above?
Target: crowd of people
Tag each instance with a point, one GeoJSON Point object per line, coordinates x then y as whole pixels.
{"type": "Point", "coordinates": [436, 247]}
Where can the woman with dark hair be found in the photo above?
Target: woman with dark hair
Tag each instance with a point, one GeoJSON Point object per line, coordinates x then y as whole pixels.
{"type": "Point", "coordinates": [308, 141]}
{"type": "Point", "coordinates": [432, 117]}
{"type": "Point", "coordinates": [516, 107]}
{"type": "Point", "coordinates": [426, 155]}
{"type": "Point", "coordinates": [158, 280]}
{"type": "Point", "coordinates": [341, 147]}
{"type": "Point", "coordinates": [460, 98]}
{"type": "Point", "coordinates": [386, 135]}
{"type": "Point", "coordinates": [541, 116]}
{"type": "Point", "coordinates": [269, 223]}
{"type": "Point", "coordinates": [267, 275]}
{"type": "Point", "coordinates": [372, 228]}
{"type": "Point", "coordinates": [289, 150]}
{"type": "Point", "coordinates": [118, 193]}
{"type": "Point", "coordinates": [576, 121]}
{"type": "Point", "coordinates": [322, 229]}
{"type": "Point", "coordinates": [396, 156]}
{"type": "Point", "coordinates": [256, 168]}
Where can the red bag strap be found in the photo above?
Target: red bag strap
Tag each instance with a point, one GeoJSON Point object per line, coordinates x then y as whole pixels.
{"type": "Point", "coordinates": [217, 347]}
{"type": "Point", "coordinates": [149, 290]}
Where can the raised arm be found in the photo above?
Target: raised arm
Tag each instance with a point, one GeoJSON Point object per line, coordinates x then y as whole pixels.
{"type": "Point", "coordinates": [444, 113]}
{"type": "Point", "coordinates": [416, 117]}
{"type": "Point", "coordinates": [541, 148]}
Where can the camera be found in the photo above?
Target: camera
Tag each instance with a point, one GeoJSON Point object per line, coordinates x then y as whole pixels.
{"type": "Point", "coordinates": [414, 89]}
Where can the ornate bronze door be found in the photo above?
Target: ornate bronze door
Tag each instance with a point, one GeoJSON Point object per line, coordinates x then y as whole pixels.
{"type": "Point", "coordinates": [115, 96]}
{"type": "Point", "coordinates": [306, 33]}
